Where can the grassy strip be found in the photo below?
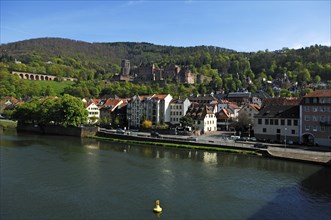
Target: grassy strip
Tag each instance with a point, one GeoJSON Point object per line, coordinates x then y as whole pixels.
{"type": "Point", "coordinates": [8, 124]}
{"type": "Point", "coordinates": [186, 146]}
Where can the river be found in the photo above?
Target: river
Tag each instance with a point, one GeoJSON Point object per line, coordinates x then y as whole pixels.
{"type": "Point", "coordinates": [59, 177]}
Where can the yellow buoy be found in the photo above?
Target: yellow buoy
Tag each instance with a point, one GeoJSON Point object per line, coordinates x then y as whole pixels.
{"type": "Point", "coordinates": [157, 208]}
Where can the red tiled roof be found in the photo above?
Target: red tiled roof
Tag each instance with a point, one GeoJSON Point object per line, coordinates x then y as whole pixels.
{"type": "Point", "coordinates": [255, 107]}
{"type": "Point", "coordinates": [319, 93]}
{"type": "Point", "coordinates": [160, 96]}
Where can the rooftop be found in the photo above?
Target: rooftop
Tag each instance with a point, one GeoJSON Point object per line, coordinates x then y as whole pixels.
{"type": "Point", "coordinates": [319, 93]}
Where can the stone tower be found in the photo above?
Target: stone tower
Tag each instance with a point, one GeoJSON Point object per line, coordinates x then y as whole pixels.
{"type": "Point", "coordinates": [125, 67]}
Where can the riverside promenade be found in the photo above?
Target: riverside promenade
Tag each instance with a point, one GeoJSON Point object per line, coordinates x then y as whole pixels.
{"type": "Point", "coordinates": [316, 155]}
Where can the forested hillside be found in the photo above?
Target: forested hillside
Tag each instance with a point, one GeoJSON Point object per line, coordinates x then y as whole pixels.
{"type": "Point", "coordinates": [230, 70]}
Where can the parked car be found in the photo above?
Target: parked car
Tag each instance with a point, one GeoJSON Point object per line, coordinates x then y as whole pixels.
{"type": "Point", "coordinates": [155, 134]}
{"type": "Point", "coordinates": [260, 145]}
{"type": "Point", "coordinates": [120, 131]}
{"type": "Point", "coordinates": [252, 139]}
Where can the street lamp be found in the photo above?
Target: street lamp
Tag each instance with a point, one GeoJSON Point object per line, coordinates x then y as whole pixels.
{"type": "Point", "coordinates": [285, 138]}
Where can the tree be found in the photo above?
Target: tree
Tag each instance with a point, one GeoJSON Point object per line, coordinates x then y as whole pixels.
{"type": "Point", "coordinates": [304, 77]}
{"type": "Point", "coordinates": [317, 79]}
{"type": "Point", "coordinates": [74, 112]}
{"type": "Point", "coordinates": [187, 121]}
{"type": "Point", "coordinates": [65, 111]}
{"type": "Point", "coordinates": [243, 122]}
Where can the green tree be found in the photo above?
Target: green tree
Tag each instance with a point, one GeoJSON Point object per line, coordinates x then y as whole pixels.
{"type": "Point", "coordinates": [187, 121]}
{"type": "Point", "coordinates": [317, 79]}
{"type": "Point", "coordinates": [74, 111]}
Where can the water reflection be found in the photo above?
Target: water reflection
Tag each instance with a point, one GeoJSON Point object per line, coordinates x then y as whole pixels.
{"type": "Point", "coordinates": [86, 178]}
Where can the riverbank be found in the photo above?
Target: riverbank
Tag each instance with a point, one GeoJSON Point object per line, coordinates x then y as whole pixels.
{"type": "Point", "coordinates": [7, 124]}
{"type": "Point", "coordinates": [178, 145]}
{"type": "Point", "coordinates": [323, 158]}
{"type": "Point", "coordinates": [299, 155]}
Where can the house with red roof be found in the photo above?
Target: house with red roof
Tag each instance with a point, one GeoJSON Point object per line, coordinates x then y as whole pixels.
{"type": "Point", "coordinates": [203, 116]}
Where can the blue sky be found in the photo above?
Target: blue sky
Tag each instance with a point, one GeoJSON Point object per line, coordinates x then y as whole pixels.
{"type": "Point", "coordinates": [239, 25]}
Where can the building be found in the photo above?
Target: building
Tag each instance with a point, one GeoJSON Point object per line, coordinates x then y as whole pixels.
{"type": "Point", "coordinates": [250, 110]}
{"type": "Point", "coordinates": [315, 118]}
{"type": "Point", "coordinates": [93, 112]}
{"type": "Point", "coordinates": [178, 109]}
{"type": "Point", "coordinates": [223, 119]}
{"type": "Point", "coordinates": [203, 99]}
{"type": "Point", "coordinates": [277, 123]}
{"type": "Point", "coordinates": [148, 73]}
{"type": "Point", "coordinates": [240, 98]}
{"type": "Point", "coordinates": [125, 67]}
{"type": "Point", "coordinates": [152, 107]}
{"type": "Point", "coordinates": [135, 110]}
{"type": "Point", "coordinates": [107, 110]}
{"type": "Point", "coordinates": [203, 116]}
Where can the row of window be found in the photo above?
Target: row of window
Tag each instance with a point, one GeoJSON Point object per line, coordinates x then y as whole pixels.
{"type": "Point", "coordinates": [174, 119]}
{"type": "Point", "coordinates": [321, 118]}
{"type": "Point", "coordinates": [278, 131]}
{"type": "Point", "coordinates": [316, 108]}
{"type": "Point", "coordinates": [209, 122]}
{"type": "Point", "coordinates": [175, 113]}
{"type": "Point", "coordinates": [269, 121]}
{"type": "Point", "coordinates": [321, 100]}
{"type": "Point", "coordinates": [317, 128]}
{"type": "Point", "coordinates": [93, 113]}
{"type": "Point", "coordinates": [175, 107]}
{"type": "Point", "coordinates": [94, 109]}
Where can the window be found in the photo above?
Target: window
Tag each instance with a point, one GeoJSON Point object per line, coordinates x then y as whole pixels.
{"type": "Point", "coordinates": [264, 130]}
{"type": "Point", "coordinates": [276, 121]}
{"type": "Point", "coordinates": [307, 117]}
{"type": "Point", "coordinates": [289, 122]}
{"type": "Point", "coordinates": [293, 131]}
{"type": "Point", "coordinates": [314, 118]}
{"type": "Point", "coordinates": [271, 122]}
{"type": "Point", "coordinates": [259, 121]}
{"type": "Point", "coordinates": [306, 108]}
{"type": "Point", "coordinates": [266, 121]}
{"type": "Point", "coordinates": [307, 128]}
{"type": "Point", "coordinates": [278, 131]}
{"type": "Point", "coordinates": [282, 122]}
{"type": "Point", "coordinates": [307, 100]}
{"type": "Point", "coordinates": [295, 122]}
{"type": "Point", "coordinates": [315, 109]}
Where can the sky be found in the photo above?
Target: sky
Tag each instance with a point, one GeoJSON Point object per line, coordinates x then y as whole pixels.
{"type": "Point", "coordinates": [245, 26]}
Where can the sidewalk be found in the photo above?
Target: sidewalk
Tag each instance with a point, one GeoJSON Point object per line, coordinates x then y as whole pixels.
{"type": "Point", "coordinates": [301, 155]}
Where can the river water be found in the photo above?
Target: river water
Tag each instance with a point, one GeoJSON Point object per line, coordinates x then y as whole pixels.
{"type": "Point", "coordinates": [58, 177]}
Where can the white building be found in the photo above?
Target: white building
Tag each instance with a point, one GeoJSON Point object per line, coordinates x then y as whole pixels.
{"type": "Point", "coordinates": [178, 109]}
{"type": "Point", "coordinates": [93, 112]}
{"type": "Point", "coordinates": [204, 117]}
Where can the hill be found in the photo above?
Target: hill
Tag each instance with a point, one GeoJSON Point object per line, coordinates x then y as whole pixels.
{"type": "Point", "coordinates": [227, 69]}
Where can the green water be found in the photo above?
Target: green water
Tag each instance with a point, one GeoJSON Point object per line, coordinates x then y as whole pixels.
{"type": "Point", "coordinates": [58, 177]}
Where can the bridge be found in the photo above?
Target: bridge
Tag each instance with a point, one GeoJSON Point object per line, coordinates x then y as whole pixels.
{"type": "Point", "coordinates": [34, 76]}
